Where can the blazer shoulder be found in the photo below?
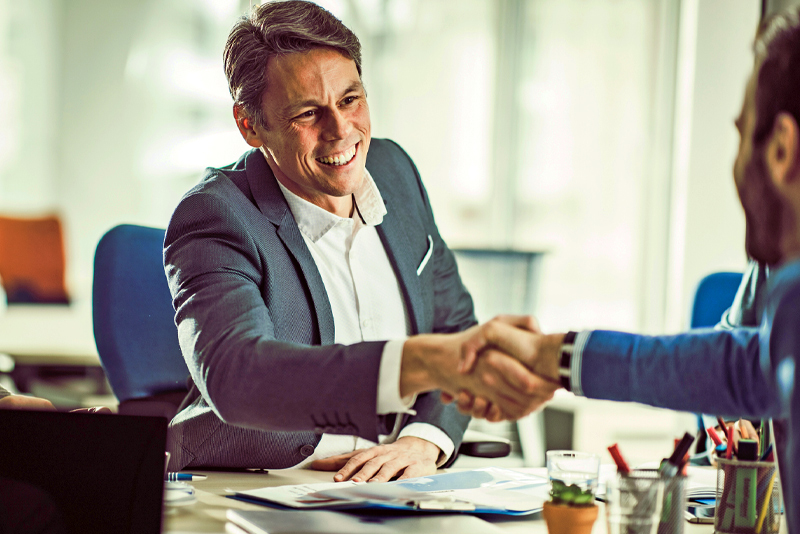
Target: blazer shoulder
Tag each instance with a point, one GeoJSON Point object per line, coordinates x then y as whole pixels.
{"type": "Point", "coordinates": [394, 171]}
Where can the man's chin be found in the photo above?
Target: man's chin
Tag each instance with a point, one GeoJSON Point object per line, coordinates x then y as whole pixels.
{"type": "Point", "coordinates": [763, 251]}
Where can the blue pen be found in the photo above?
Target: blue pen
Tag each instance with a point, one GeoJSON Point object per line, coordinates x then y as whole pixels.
{"type": "Point", "coordinates": [766, 453]}
{"type": "Point", "coordinates": [184, 477]}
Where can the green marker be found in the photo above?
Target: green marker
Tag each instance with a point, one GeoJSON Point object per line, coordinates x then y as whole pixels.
{"type": "Point", "coordinates": [745, 514]}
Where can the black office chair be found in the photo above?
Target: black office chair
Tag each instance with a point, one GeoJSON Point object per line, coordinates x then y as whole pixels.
{"type": "Point", "coordinates": [137, 339]}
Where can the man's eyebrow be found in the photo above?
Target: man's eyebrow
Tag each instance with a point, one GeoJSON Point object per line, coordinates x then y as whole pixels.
{"type": "Point", "coordinates": [354, 87]}
{"type": "Point", "coordinates": [291, 109]}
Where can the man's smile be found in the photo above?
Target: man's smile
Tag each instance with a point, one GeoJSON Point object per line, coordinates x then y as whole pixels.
{"type": "Point", "coordinates": [341, 158]}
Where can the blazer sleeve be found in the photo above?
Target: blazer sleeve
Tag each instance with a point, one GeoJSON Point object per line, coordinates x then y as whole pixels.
{"type": "Point", "coordinates": [219, 277]}
{"type": "Point", "coordinates": [704, 371]}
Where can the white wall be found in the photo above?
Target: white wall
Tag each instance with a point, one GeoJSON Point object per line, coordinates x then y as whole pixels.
{"type": "Point", "coordinates": [707, 223]}
{"type": "Point", "coordinates": [29, 103]}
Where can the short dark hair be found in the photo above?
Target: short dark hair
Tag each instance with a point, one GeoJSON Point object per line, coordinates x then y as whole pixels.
{"type": "Point", "coordinates": [276, 28]}
{"type": "Point", "coordinates": [777, 58]}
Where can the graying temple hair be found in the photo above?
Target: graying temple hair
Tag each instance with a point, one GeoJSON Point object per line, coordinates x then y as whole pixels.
{"type": "Point", "coordinates": [277, 28]}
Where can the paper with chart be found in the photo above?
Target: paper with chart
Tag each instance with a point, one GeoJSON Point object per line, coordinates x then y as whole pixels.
{"type": "Point", "coordinates": [487, 490]}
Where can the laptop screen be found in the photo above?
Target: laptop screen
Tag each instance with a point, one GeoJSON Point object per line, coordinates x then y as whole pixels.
{"type": "Point", "coordinates": [81, 473]}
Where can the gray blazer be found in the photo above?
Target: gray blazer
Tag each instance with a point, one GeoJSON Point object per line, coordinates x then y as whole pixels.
{"type": "Point", "coordinates": [256, 328]}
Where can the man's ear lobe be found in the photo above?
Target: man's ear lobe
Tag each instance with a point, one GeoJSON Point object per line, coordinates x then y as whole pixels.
{"type": "Point", "coordinates": [246, 127]}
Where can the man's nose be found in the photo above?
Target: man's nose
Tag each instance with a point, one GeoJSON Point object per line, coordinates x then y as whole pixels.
{"type": "Point", "coordinates": [338, 125]}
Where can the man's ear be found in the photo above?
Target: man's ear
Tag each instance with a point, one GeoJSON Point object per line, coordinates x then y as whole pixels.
{"type": "Point", "coordinates": [783, 151]}
{"type": "Point", "coordinates": [246, 127]}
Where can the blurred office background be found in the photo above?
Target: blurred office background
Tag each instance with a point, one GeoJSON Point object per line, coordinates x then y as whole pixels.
{"type": "Point", "coordinates": [599, 132]}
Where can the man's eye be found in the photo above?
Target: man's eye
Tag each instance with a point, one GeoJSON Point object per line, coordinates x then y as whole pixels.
{"type": "Point", "coordinates": [307, 114]}
{"type": "Point", "coordinates": [349, 100]}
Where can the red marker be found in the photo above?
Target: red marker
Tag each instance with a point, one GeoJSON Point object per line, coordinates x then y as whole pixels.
{"type": "Point", "coordinates": [713, 435]}
{"type": "Point", "coordinates": [729, 452]}
{"type": "Point", "coordinates": [622, 465]}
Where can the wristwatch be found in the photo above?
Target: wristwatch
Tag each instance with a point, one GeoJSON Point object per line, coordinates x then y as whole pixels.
{"type": "Point", "coordinates": [565, 360]}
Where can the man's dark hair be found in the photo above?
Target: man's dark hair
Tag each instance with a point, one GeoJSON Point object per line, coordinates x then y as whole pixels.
{"type": "Point", "coordinates": [777, 56]}
{"type": "Point", "coordinates": [273, 29]}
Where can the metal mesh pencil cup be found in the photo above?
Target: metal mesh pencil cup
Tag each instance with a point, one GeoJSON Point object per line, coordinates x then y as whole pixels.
{"type": "Point", "coordinates": [633, 503]}
{"type": "Point", "coordinates": [673, 506]}
{"type": "Point", "coordinates": [748, 497]}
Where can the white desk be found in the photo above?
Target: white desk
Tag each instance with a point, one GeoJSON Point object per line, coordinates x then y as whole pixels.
{"type": "Point", "coordinates": [42, 334]}
{"type": "Point", "coordinates": [208, 514]}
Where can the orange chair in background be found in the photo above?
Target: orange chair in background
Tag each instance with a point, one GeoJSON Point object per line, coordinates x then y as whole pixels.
{"type": "Point", "coordinates": [32, 260]}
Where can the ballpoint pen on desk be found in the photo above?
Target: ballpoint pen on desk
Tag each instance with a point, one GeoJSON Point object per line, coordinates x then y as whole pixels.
{"type": "Point", "coordinates": [183, 477]}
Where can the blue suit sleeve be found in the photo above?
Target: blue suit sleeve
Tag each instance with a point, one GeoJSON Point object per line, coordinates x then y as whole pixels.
{"type": "Point", "coordinates": [708, 371]}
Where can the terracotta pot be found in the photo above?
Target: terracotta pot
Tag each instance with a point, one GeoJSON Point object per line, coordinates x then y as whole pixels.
{"type": "Point", "coordinates": [563, 519]}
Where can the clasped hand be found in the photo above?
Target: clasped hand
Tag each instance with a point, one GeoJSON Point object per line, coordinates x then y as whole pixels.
{"type": "Point", "coordinates": [507, 369]}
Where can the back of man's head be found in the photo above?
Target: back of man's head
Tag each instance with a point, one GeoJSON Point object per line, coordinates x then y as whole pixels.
{"type": "Point", "coordinates": [777, 59]}
{"type": "Point", "coordinates": [276, 28]}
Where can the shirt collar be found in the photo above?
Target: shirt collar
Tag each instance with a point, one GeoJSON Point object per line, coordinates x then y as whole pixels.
{"type": "Point", "coordinates": [314, 222]}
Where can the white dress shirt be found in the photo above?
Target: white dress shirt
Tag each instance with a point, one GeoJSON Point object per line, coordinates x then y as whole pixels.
{"type": "Point", "coordinates": [367, 305]}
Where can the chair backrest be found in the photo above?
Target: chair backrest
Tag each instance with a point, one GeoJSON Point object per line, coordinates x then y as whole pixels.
{"type": "Point", "coordinates": [714, 295]}
{"type": "Point", "coordinates": [133, 318]}
{"type": "Point", "coordinates": [32, 260]}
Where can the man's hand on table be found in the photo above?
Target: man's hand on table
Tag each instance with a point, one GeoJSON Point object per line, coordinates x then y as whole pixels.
{"type": "Point", "coordinates": [407, 457]}
{"type": "Point", "coordinates": [24, 402]}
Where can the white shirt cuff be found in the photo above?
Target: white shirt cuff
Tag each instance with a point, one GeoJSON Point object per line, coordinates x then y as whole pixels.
{"type": "Point", "coordinates": [389, 400]}
{"type": "Point", "coordinates": [433, 434]}
{"type": "Point", "coordinates": [577, 359]}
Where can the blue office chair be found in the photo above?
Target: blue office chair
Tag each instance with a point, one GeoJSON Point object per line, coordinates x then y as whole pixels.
{"type": "Point", "coordinates": [714, 295]}
{"type": "Point", "coordinates": [134, 327]}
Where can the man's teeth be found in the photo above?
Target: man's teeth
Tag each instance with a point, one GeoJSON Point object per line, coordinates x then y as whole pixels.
{"type": "Point", "coordinates": [341, 159]}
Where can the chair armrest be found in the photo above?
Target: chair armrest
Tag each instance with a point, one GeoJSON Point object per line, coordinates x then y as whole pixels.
{"type": "Point", "coordinates": [482, 445]}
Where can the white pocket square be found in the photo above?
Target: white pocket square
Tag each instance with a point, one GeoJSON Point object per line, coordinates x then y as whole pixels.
{"type": "Point", "coordinates": [427, 256]}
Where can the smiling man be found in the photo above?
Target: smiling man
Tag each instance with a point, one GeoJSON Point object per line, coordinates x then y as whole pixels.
{"type": "Point", "coordinates": [299, 272]}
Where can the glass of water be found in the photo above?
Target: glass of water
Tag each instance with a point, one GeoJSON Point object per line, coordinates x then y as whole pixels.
{"type": "Point", "coordinates": [573, 467]}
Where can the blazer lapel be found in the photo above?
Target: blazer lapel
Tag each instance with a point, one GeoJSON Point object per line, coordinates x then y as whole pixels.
{"type": "Point", "coordinates": [272, 204]}
{"type": "Point", "coordinates": [395, 241]}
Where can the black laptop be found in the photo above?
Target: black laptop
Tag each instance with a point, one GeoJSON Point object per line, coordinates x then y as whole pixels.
{"type": "Point", "coordinates": [81, 473]}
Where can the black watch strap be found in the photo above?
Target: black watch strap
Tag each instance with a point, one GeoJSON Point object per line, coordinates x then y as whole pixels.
{"type": "Point", "coordinates": [565, 360]}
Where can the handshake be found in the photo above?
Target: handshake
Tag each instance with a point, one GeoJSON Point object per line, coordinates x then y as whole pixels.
{"type": "Point", "coordinates": [501, 370]}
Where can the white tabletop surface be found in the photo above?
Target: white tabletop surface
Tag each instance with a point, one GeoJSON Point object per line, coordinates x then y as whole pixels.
{"type": "Point", "coordinates": [208, 513]}
{"type": "Point", "coordinates": [49, 334]}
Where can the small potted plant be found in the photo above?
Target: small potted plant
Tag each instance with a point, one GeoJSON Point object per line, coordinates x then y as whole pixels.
{"type": "Point", "coordinates": [570, 509]}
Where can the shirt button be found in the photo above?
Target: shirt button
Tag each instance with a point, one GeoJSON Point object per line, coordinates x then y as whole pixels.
{"type": "Point", "coordinates": [366, 323]}
{"type": "Point", "coordinates": [307, 450]}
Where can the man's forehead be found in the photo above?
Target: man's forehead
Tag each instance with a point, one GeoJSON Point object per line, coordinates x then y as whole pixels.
{"type": "Point", "coordinates": [314, 70]}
